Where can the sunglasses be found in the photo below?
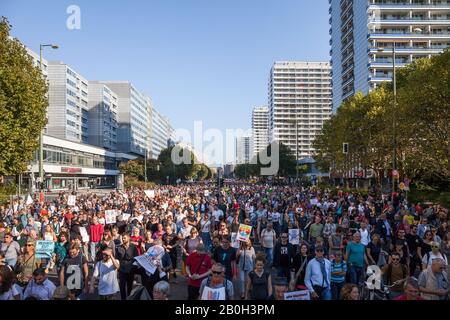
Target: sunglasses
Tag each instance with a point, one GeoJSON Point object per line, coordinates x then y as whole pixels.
{"type": "Point", "coordinates": [395, 259]}
{"type": "Point", "coordinates": [434, 247]}
{"type": "Point", "coordinates": [319, 250]}
{"type": "Point", "coordinates": [30, 245]}
{"type": "Point", "coordinates": [217, 272]}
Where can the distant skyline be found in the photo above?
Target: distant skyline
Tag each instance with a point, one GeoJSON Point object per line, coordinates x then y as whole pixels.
{"type": "Point", "coordinates": [197, 60]}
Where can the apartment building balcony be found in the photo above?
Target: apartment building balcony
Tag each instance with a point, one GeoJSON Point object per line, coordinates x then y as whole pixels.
{"type": "Point", "coordinates": [413, 50]}
{"type": "Point", "coordinates": [408, 22]}
{"type": "Point", "coordinates": [394, 6]}
{"type": "Point", "coordinates": [409, 36]}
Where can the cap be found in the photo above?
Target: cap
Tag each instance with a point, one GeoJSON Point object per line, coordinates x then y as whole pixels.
{"type": "Point", "coordinates": [61, 292]}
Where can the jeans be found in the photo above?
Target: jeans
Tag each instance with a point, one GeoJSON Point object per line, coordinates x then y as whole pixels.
{"type": "Point", "coordinates": [326, 294]}
{"type": "Point", "coordinates": [355, 274]}
{"type": "Point", "coordinates": [284, 272]}
{"type": "Point", "coordinates": [269, 255]}
{"type": "Point", "coordinates": [243, 280]}
{"type": "Point", "coordinates": [93, 249]}
{"type": "Point", "coordinates": [336, 288]}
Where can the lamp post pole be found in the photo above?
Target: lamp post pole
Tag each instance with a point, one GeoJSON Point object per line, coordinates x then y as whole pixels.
{"type": "Point", "coordinates": [41, 135]}
{"type": "Point", "coordinates": [394, 129]}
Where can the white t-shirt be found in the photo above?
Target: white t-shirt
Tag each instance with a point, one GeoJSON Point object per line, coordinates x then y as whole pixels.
{"type": "Point", "coordinates": [365, 236]}
{"type": "Point", "coordinates": [217, 214]}
{"type": "Point", "coordinates": [431, 256]}
{"type": "Point", "coordinates": [267, 238]}
{"type": "Point", "coordinates": [107, 274]}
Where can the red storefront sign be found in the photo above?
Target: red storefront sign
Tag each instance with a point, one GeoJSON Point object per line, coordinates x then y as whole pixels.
{"type": "Point", "coordinates": [71, 170]}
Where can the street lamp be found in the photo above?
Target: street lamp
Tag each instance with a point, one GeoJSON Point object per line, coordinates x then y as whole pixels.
{"type": "Point", "coordinates": [296, 146]}
{"type": "Point", "coordinates": [41, 137]}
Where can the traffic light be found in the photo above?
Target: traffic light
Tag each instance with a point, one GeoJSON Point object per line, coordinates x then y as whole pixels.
{"type": "Point", "coordinates": [345, 148]}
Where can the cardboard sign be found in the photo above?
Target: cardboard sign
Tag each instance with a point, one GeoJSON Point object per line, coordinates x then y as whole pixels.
{"type": "Point", "coordinates": [110, 216]}
{"type": "Point", "coordinates": [213, 294]}
{"type": "Point", "coordinates": [71, 200]}
{"type": "Point", "coordinates": [44, 249]}
{"type": "Point", "coordinates": [297, 295]}
{"type": "Point", "coordinates": [84, 234]}
{"type": "Point", "coordinates": [244, 232]}
{"type": "Point", "coordinates": [206, 193]}
{"type": "Point", "coordinates": [294, 236]}
{"type": "Point", "coordinates": [126, 216]}
{"type": "Point", "coordinates": [314, 202]}
{"type": "Point", "coordinates": [234, 241]}
{"type": "Point", "coordinates": [150, 193]}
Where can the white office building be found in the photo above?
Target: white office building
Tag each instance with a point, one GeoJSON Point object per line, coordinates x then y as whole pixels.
{"type": "Point", "coordinates": [299, 103]}
{"type": "Point", "coordinates": [103, 107]}
{"type": "Point", "coordinates": [244, 149]}
{"type": "Point", "coordinates": [260, 129]}
{"type": "Point", "coordinates": [161, 133]}
{"type": "Point", "coordinates": [68, 103]}
{"type": "Point", "coordinates": [363, 34]}
{"type": "Point", "coordinates": [133, 117]}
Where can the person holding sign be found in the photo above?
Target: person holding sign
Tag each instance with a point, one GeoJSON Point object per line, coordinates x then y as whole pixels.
{"type": "Point", "coordinates": [216, 287]}
{"type": "Point", "coordinates": [74, 272]}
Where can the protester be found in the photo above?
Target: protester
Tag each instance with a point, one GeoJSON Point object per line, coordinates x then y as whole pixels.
{"type": "Point", "coordinates": [318, 276]}
{"type": "Point", "coordinates": [226, 256]}
{"type": "Point", "coordinates": [74, 272]}
{"type": "Point", "coordinates": [259, 282]}
{"type": "Point", "coordinates": [161, 291]}
{"type": "Point", "coordinates": [349, 292]}
{"type": "Point", "coordinates": [433, 281]}
{"type": "Point", "coordinates": [246, 260]}
{"type": "Point", "coordinates": [125, 254]}
{"type": "Point", "coordinates": [105, 271]}
{"type": "Point", "coordinates": [216, 286]}
{"type": "Point", "coordinates": [411, 289]}
{"type": "Point", "coordinates": [198, 267]}
{"type": "Point", "coordinates": [40, 287]}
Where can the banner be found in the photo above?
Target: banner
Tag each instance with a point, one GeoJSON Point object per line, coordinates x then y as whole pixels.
{"type": "Point", "coordinates": [213, 294]}
{"type": "Point", "coordinates": [84, 234]}
{"type": "Point", "coordinates": [71, 200]}
{"type": "Point", "coordinates": [294, 236]}
{"type": "Point", "coordinates": [146, 262]}
{"type": "Point", "coordinates": [44, 249]}
{"type": "Point", "coordinates": [297, 295]}
{"type": "Point", "coordinates": [150, 193]}
{"type": "Point", "coordinates": [110, 216]}
{"type": "Point", "coordinates": [244, 232]}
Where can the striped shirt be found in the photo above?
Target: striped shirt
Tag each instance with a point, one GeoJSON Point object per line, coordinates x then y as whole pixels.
{"type": "Point", "coordinates": [338, 267]}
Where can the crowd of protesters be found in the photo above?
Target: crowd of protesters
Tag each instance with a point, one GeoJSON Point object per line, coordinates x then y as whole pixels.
{"type": "Point", "coordinates": [187, 231]}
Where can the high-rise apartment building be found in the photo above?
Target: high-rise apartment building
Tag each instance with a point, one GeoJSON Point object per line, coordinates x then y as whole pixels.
{"type": "Point", "coordinates": [260, 129]}
{"type": "Point", "coordinates": [133, 117]}
{"type": "Point", "coordinates": [103, 107]}
{"type": "Point", "coordinates": [363, 34]}
{"type": "Point", "coordinates": [68, 103]}
{"type": "Point", "coordinates": [160, 134]}
{"type": "Point", "coordinates": [299, 103]}
{"type": "Point", "coordinates": [243, 149]}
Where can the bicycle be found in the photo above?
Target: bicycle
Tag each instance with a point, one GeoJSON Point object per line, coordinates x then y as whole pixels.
{"type": "Point", "coordinates": [383, 293]}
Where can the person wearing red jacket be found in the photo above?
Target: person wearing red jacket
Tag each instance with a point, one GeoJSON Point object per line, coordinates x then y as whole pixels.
{"type": "Point", "coordinates": [95, 233]}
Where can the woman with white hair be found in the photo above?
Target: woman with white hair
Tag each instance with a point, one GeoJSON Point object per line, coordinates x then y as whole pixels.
{"type": "Point", "coordinates": [161, 291]}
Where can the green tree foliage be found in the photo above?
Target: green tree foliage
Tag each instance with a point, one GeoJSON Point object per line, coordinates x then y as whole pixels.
{"type": "Point", "coordinates": [133, 168]}
{"type": "Point", "coordinates": [421, 118]}
{"type": "Point", "coordinates": [23, 104]}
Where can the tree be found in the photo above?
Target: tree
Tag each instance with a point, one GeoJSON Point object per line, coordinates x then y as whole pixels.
{"type": "Point", "coordinates": [133, 168]}
{"type": "Point", "coordinates": [23, 104]}
{"type": "Point", "coordinates": [203, 172]}
{"type": "Point", "coordinates": [286, 159]}
{"type": "Point", "coordinates": [184, 171]}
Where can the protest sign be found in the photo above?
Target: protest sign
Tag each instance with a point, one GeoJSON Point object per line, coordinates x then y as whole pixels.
{"type": "Point", "coordinates": [150, 193]}
{"type": "Point", "coordinates": [126, 216]}
{"type": "Point", "coordinates": [294, 236]}
{"type": "Point", "coordinates": [314, 202]}
{"type": "Point", "coordinates": [297, 295]}
{"type": "Point", "coordinates": [206, 193]}
{"type": "Point", "coordinates": [44, 248]}
{"type": "Point", "coordinates": [84, 234]}
{"type": "Point", "coordinates": [71, 200]}
{"type": "Point", "coordinates": [234, 241]}
{"type": "Point", "coordinates": [213, 294]}
{"type": "Point", "coordinates": [110, 216]}
{"type": "Point", "coordinates": [244, 233]}
{"type": "Point", "coordinates": [29, 200]}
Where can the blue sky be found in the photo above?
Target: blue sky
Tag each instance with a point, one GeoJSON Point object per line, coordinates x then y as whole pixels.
{"type": "Point", "coordinates": [203, 60]}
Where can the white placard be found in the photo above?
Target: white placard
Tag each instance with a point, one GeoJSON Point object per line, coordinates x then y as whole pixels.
{"type": "Point", "coordinates": [150, 193]}
{"type": "Point", "coordinates": [71, 200]}
{"type": "Point", "coordinates": [294, 236]}
{"type": "Point", "coordinates": [29, 200]}
{"type": "Point", "coordinates": [84, 234]}
{"type": "Point", "coordinates": [297, 295]}
{"type": "Point", "coordinates": [110, 216]}
{"type": "Point", "coordinates": [206, 193]}
{"type": "Point", "coordinates": [234, 241]}
{"type": "Point", "coordinates": [214, 294]}
{"type": "Point", "coordinates": [126, 216]}
{"type": "Point", "coordinates": [314, 202]}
